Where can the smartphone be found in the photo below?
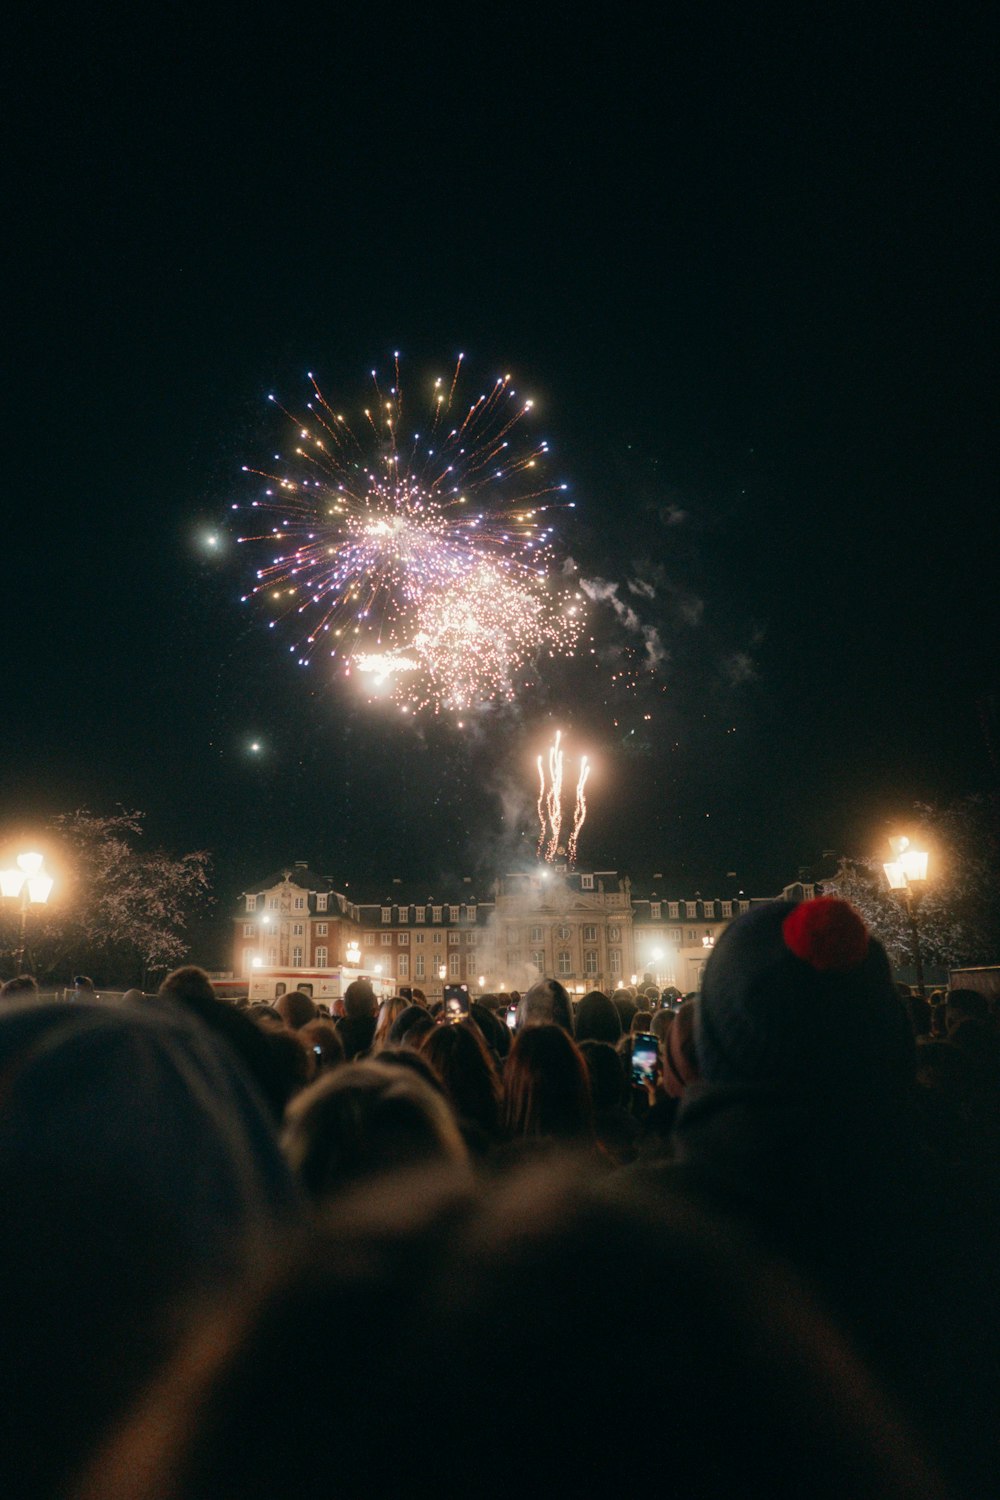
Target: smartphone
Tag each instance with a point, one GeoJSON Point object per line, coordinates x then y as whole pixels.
{"type": "Point", "coordinates": [512, 1016]}
{"type": "Point", "coordinates": [645, 1057]}
{"type": "Point", "coordinates": [456, 1002]}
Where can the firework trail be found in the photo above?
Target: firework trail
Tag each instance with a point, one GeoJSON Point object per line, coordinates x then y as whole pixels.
{"type": "Point", "coordinates": [579, 814]}
{"type": "Point", "coordinates": [418, 562]}
{"type": "Point", "coordinates": [549, 805]}
{"type": "Point", "coordinates": [554, 805]}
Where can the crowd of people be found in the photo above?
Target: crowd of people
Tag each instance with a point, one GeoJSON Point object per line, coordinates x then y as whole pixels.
{"type": "Point", "coordinates": [744, 1241]}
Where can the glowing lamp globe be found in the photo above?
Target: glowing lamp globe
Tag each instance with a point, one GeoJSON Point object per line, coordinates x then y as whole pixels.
{"type": "Point", "coordinates": [914, 863]}
{"type": "Point", "coordinates": [39, 888]}
{"type": "Point", "coordinates": [30, 863]}
{"type": "Point", "coordinates": [896, 875]}
{"type": "Point", "coordinates": [11, 882]}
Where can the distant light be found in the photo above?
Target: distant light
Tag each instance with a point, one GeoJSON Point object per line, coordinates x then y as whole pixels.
{"type": "Point", "coordinates": [255, 747]}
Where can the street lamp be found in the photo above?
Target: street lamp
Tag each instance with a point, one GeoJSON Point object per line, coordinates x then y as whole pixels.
{"type": "Point", "coordinates": [28, 883]}
{"type": "Point", "coordinates": [906, 873]}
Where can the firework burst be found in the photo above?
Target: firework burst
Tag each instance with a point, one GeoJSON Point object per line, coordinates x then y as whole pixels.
{"type": "Point", "coordinates": [418, 562]}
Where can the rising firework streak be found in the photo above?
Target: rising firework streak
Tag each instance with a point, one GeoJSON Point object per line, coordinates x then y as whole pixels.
{"type": "Point", "coordinates": [550, 816]}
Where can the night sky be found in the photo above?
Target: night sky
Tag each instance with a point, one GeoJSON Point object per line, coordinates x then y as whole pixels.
{"type": "Point", "coordinates": [741, 260]}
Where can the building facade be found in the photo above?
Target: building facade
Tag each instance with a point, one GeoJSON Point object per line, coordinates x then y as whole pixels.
{"type": "Point", "coordinates": [590, 929]}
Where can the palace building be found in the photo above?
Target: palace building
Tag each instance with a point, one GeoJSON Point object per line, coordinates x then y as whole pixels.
{"type": "Point", "coordinates": [590, 929]}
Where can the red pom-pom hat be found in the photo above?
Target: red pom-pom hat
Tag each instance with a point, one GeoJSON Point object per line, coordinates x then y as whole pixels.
{"type": "Point", "coordinates": [826, 933]}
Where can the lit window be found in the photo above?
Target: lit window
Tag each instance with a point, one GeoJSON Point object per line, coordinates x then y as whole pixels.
{"type": "Point", "coordinates": [654, 910]}
{"type": "Point", "coordinates": [586, 882]}
{"type": "Point", "coordinates": [251, 903]}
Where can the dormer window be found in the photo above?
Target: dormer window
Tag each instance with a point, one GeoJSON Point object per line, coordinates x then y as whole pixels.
{"type": "Point", "coordinates": [586, 882]}
{"type": "Point", "coordinates": [674, 909]}
{"type": "Point", "coordinates": [321, 901]}
{"type": "Point", "coordinates": [709, 908]}
{"type": "Point", "coordinates": [436, 913]}
{"type": "Point", "coordinates": [453, 913]}
{"type": "Point", "coordinates": [654, 910]}
{"type": "Point", "coordinates": [251, 903]}
{"type": "Point", "coordinates": [419, 913]}
{"type": "Point", "coordinates": [727, 908]}
{"type": "Point", "coordinates": [387, 914]}
{"type": "Point", "coordinates": [691, 908]}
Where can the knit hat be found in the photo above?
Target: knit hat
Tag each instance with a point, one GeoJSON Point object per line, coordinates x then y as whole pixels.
{"type": "Point", "coordinates": [802, 995]}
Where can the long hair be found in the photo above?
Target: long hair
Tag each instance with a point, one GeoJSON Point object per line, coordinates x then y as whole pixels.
{"type": "Point", "coordinates": [547, 1086]}
{"type": "Point", "coordinates": [388, 1012]}
{"type": "Point", "coordinates": [461, 1060]}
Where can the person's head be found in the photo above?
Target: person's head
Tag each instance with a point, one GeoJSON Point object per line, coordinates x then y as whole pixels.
{"type": "Point", "coordinates": [388, 1014]}
{"type": "Point", "coordinates": [83, 986]}
{"type": "Point", "coordinates": [409, 1027]}
{"type": "Point", "coordinates": [661, 1023]}
{"type": "Point", "coordinates": [460, 1058]}
{"type": "Point", "coordinates": [144, 1171]}
{"type": "Point", "coordinates": [546, 1086]}
{"type": "Point", "coordinates": [295, 1008]}
{"type": "Point", "coordinates": [966, 1005]}
{"type": "Point", "coordinates": [324, 1040]}
{"type": "Point", "coordinates": [597, 1020]}
{"type": "Point", "coordinates": [802, 996]}
{"type": "Point", "coordinates": [418, 997]}
{"type": "Point", "coordinates": [21, 987]}
{"type": "Point", "coordinates": [359, 999]}
{"type": "Point", "coordinates": [490, 1001]}
{"type": "Point", "coordinates": [363, 1120]}
{"type": "Point", "coordinates": [624, 1003]}
{"type": "Point", "coordinates": [680, 1061]}
{"type": "Point", "coordinates": [604, 1068]}
{"type": "Point", "coordinates": [293, 1063]}
{"type": "Point", "coordinates": [651, 997]}
{"type": "Point", "coordinates": [190, 986]}
{"type": "Point", "coordinates": [266, 1015]}
{"type": "Point", "coordinates": [545, 1004]}
{"type": "Point", "coordinates": [133, 997]}
{"type": "Point", "coordinates": [414, 1280]}
{"type": "Point", "coordinates": [641, 1021]}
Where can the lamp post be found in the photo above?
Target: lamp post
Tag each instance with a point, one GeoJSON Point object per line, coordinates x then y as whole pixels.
{"type": "Point", "coordinates": [28, 883]}
{"type": "Point", "coordinates": [906, 873]}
